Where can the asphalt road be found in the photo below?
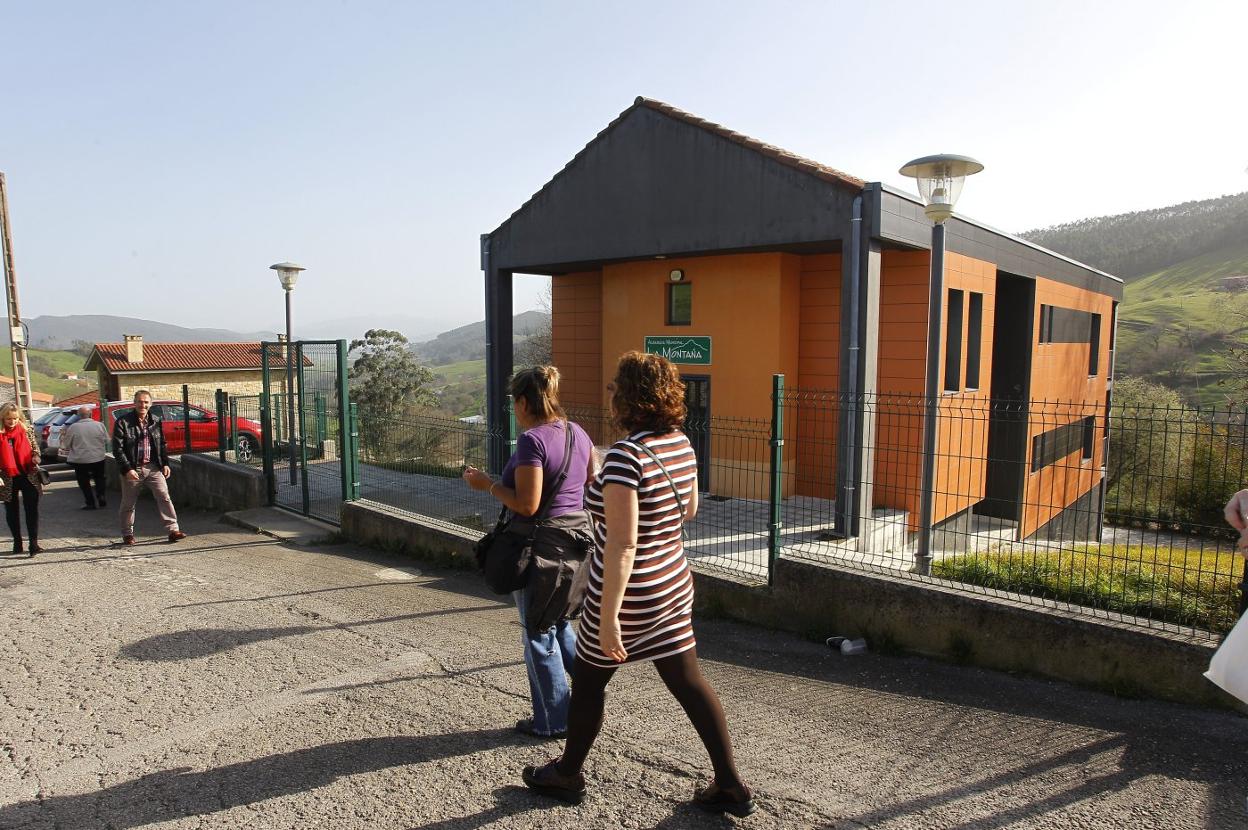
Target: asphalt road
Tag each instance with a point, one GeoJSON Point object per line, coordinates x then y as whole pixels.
{"type": "Point", "coordinates": [230, 681]}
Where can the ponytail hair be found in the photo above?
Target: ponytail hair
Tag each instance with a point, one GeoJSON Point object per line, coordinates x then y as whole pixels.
{"type": "Point", "coordinates": [539, 387]}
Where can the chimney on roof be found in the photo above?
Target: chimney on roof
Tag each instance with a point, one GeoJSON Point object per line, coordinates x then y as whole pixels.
{"type": "Point", "coordinates": [134, 348]}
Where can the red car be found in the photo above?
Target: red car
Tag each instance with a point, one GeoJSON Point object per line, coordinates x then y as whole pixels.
{"type": "Point", "coordinates": [203, 423]}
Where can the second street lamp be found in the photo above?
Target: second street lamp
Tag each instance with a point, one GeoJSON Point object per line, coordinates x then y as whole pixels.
{"type": "Point", "coordinates": [940, 181]}
{"type": "Point", "coordinates": [288, 275]}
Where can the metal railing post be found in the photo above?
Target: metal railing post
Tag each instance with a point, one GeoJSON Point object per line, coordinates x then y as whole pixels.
{"type": "Point", "coordinates": [774, 522]}
{"type": "Point", "coordinates": [303, 435]}
{"type": "Point", "coordinates": [186, 418]}
{"type": "Point", "coordinates": [511, 426]}
{"type": "Point", "coordinates": [233, 436]}
{"type": "Point", "coordinates": [322, 420]}
{"type": "Point", "coordinates": [353, 417]}
{"type": "Point", "coordinates": [266, 427]}
{"type": "Point", "coordinates": [221, 424]}
{"type": "Point", "coordinates": [341, 381]}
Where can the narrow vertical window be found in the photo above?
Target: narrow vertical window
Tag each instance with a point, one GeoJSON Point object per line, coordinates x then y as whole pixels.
{"type": "Point", "coordinates": [953, 342]}
{"type": "Point", "coordinates": [1089, 429]}
{"type": "Point", "coordinates": [679, 304]}
{"type": "Point", "coordinates": [974, 335]}
{"type": "Point", "coordinates": [1094, 342]}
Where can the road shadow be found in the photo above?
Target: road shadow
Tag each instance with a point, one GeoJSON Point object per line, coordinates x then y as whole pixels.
{"type": "Point", "coordinates": [177, 793]}
{"type": "Point", "coordinates": [194, 643]}
{"type": "Point", "coordinates": [1098, 744]}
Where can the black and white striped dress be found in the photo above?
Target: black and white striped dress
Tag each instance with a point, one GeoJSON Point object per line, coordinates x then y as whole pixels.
{"type": "Point", "coordinates": [656, 617]}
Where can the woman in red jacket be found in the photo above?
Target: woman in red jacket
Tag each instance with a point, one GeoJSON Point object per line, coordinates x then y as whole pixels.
{"type": "Point", "coordinates": [19, 475]}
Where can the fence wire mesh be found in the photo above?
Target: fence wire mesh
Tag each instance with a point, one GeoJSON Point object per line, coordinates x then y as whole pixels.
{"type": "Point", "coordinates": [413, 462]}
{"type": "Point", "coordinates": [1043, 502]}
{"type": "Point", "coordinates": [305, 426]}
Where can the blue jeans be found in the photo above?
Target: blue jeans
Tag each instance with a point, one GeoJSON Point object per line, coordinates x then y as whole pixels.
{"type": "Point", "coordinates": [549, 657]}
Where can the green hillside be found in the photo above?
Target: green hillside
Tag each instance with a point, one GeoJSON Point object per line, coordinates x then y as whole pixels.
{"type": "Point", "coordinates": [1176, 326]}
{"type": "Point", "coordinates": [461, 386]}
{"type": "Point", "coordinates": [46, 368]}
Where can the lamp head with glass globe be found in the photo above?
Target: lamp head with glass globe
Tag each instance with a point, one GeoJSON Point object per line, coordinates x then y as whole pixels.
{"type": "Point", "coordinates": [940, 181]}
{"type": "Point", "coordinates": [288, 273]}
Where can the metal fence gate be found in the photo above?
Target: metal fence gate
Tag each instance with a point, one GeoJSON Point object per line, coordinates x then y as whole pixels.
{"type": "Point", "coordinates": [310, 440]}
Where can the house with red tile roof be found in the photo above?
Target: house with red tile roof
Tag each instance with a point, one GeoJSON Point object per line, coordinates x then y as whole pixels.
{"type": "Point", "coordinates": [8, 392]}
{"type": "Point", "coordinates": [89, 398]}
{"type": "Point", "coordinates": [163, 368]}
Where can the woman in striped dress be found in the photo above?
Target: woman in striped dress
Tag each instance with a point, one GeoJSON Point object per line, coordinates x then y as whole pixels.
{"type": "Point", "coordinates": [639, 604]}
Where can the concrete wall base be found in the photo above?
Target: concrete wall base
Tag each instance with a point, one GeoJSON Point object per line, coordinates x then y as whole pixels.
{"type": "Point", "coordinates": [895, 615]}
{"type": "Point", "coordinates": [203, 482]}
{"type": "Point", "coordinates": [375, 525]}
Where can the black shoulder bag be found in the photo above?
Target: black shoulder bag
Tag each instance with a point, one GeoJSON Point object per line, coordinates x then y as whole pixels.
{"type": "Point", "coordinates": [504, 555]}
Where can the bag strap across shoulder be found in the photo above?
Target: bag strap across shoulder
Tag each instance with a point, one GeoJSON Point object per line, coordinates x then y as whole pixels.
{"type": "Point", "coordinates": [675, 491]}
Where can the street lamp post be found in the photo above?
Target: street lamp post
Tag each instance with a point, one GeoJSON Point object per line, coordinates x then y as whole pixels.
{"type": "Point", "coordinates": [940, 180]}
{"type": "Point", "coordinates": [288, 274]}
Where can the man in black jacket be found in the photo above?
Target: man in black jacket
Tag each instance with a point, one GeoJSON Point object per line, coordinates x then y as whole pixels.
{"type": "Point", "coordinates": [142, 460]}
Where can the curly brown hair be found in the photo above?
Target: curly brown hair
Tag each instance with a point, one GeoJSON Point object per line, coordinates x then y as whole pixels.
{"type": "Point", "coordinates": [649, 394]}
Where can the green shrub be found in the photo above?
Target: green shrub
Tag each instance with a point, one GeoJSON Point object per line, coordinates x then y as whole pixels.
{"type": "Point", "coordinates": [1188, 588]}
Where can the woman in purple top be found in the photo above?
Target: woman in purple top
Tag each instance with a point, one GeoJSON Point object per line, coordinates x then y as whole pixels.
{"type": "Point", "coordinates": [545, 603]}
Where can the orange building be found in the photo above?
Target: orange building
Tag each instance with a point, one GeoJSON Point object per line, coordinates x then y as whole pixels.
{"type": "Point", "coordinates": [741, 261]}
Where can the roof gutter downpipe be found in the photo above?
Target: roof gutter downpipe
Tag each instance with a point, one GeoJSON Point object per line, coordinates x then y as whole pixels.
{"type": "Point", "coordinates": [852, 408]}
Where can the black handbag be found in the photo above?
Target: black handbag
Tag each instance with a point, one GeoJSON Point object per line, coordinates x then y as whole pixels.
{"type": "Point", "coordinates": [503, 555]}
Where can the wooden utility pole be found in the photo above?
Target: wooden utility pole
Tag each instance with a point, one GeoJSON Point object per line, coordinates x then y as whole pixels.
{"type": "Point", "coordinates": [17, 335]}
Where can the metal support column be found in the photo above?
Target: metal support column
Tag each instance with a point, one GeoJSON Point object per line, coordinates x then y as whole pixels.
{"type": "Point", "coordinates": [776, 479]}
{"type": "Point", "coordinates": [935, 317]}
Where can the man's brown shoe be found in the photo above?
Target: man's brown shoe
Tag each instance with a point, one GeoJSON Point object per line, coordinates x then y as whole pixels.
{"type": "Point", "coordinates": [176, 535]}
{"type": "Point", "coordinates": [127, 540]}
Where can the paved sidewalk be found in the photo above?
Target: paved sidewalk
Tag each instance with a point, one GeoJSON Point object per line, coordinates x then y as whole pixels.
{"type": "Point", "coordinates": [233, 681]}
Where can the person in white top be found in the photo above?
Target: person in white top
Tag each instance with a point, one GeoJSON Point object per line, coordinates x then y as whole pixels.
{"type": "Point", "coordinates": [84, 444]}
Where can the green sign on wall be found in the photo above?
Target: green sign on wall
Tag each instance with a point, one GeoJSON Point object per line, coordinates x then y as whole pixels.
{"type": "Point", "coordinates": [691, 351]}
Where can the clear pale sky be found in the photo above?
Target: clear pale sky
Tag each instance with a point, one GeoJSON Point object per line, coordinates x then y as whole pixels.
{"type": "Point", "coordinates": [160, 156]}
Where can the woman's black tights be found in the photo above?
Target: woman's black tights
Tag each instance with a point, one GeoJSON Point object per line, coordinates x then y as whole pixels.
{"type": "Point", "coordinates": [29, 494]}
{"type": "Point", "coordinates": [683, 678]}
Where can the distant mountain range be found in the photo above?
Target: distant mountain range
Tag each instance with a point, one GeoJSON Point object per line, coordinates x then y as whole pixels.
{"type": "Point", "coordinates": [468, 342]}
{"type": "Point", "coordinates": [58, 333]}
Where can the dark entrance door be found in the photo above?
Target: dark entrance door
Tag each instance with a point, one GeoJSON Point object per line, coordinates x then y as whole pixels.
{"type": "Point", "coordinates": [1011, 385]}
{"type": "Point", "coordinates": [698, 424]}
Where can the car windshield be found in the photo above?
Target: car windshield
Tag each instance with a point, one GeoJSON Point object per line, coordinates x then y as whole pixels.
{"type": "Point", "coordinates": [47, 417]}
{"type": "Point", "coordinates": [63, 418]}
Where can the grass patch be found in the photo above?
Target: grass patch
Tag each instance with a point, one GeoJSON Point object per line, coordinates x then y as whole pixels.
{"type": "Point", "coordinates": [1189, 588]}
{"type": "Point", "coordinates": [464, 370]}
{"type": "Point", "coordinates": [45, 373]}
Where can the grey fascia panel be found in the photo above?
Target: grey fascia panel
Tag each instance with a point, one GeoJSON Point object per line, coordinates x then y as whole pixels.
{"type": "Point", "coordinates": [903, 222]}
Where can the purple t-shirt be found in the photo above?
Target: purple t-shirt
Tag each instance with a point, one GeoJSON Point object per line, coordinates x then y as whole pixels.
{"type": "Point", "coordinates": [543, 446]}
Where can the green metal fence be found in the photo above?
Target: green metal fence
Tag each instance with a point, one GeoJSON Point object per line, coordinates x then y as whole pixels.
{"type": "Point", "coordinates": [307, 437]}
{"type": "Point", "coordinates": [414, 462]}
{"type": "Point", "coordinates": [1127, 529]}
